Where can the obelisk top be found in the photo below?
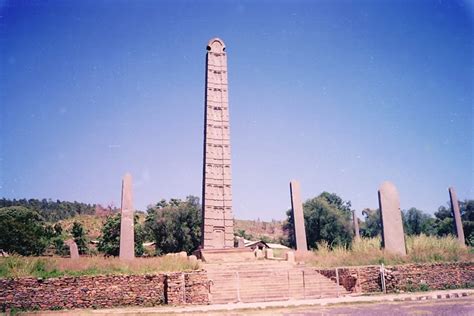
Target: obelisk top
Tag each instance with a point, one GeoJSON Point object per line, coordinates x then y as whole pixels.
{"type": "Point", "coordinates": [216, 45]}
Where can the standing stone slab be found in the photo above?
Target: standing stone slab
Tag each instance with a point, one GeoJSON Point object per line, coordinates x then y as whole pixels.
{"type": "Point", "coordinates": [298, 217]}
{"type": "Point", "coordinates": [356, 226]}
{"type": "Point", "coordinates": [457, 215]}
{"type": "Point", "coordinates": [73, 249]}
{"type": "Point", "coordinates": [127, 239]}
{"type": "Point", "coordinates": [393, 238]}
{"type": "Point", "coordinates": [218, 220]}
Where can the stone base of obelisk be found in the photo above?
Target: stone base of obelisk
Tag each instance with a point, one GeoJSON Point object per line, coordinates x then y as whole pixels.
{"type": "Point", "coordinates": [225, 255]}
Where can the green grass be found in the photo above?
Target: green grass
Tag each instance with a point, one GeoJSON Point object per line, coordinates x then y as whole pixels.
{"type": "Point", "coordinates": [367, 251]}
{"type": "Point", "coordinates": [50, 267]}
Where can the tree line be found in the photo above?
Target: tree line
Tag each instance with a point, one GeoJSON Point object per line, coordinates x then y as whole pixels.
{"type": "Point", "coordinates": [329, 218]}
{"type": "Point", "coordinates": [49, 210]}
{"type": "Point", "coordinates": [27, 226]}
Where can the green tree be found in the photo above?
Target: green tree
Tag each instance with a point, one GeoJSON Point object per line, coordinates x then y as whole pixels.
{"type": "Point", "coordinates": [22, 231]}
{"type": "Point", "coordinates": [109, 240]}
{"type": "Point", "coordinates": [175, 225]}
{"type": "Point", "coordinates": [327, 217]}
{"type": "Point", "coordinates": [416, 222]}
{"type": "Point", "coordinates": [444, 222]}
{"type": "Point", "coordinates": [372, 224]}
{"type": "Point", "coordinates": [79, 236]}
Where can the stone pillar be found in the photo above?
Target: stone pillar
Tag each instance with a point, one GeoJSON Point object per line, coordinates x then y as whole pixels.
{"type": "Point", "coordinates": [393, 237]}
{"type": "Point", "coordinates": [298, 217]}
{"type": "Point", "coordinates": [127, 232]}
{"type": "Point", "coordinates": [356, 226]}
{"type": "Point", "coordinates": [218, 220]}
{"type": "Point", "coordinates": [457, 215]}
{"type": "Point", "coordinates": [73, 250]}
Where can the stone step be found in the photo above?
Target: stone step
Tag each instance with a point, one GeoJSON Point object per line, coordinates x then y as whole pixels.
{"type": "Point", "coordinates": [268, 281]}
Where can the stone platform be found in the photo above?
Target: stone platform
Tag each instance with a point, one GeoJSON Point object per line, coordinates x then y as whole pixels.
{"type": "Point", "coordinates": [225, 255]}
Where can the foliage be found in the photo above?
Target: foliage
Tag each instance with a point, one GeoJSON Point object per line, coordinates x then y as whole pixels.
{"type": "Point", "coordinates": [175, 225]}
{"type": "Point", "coordinates": [372, 225]}
{"type": "Point", "coordinates": [367, 251]}
{"type": "Point", "coordinates": [109, 241]}
{"type": "Point", "coordinates": [22, 231]}
{"type": "Point", "coordinates": [50, 210]}
{"type": "Point", "coordinates": [79, 236]}
{"type": "Point", "coordinates": [416, 222]}
{"type": "Point", "coordinates": [444, 220]}
{"type": "Point", "coordinates": [48, 267]}
{"type": "Point", "coordinates": [327, 218]}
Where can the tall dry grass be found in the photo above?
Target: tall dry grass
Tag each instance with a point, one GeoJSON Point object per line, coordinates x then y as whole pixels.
{"type": "Point", "coordinates": [367, 251]}
{"type": "Point", "coordinates": [45, 267]}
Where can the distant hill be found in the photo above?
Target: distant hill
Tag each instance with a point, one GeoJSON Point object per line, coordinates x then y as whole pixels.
{"type": "Point", "coordinates": [256, 229]}
{"type": "Point", "coordinates": [92, 217]}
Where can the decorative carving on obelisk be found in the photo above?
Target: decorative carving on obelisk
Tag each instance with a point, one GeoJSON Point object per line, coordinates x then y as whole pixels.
{"type": "Point", "coordinates": [457, 215]}
{"type": "Point", "coordinates": [298, 216]}
{"type": "Point", "coordinates": [218, 221]}
{"type": "Point", "coordinates": [356, 226]}
{"type": "Point", "coordinates": [393, 238]}
{"type": "Point", "coordinates": [127, 239]}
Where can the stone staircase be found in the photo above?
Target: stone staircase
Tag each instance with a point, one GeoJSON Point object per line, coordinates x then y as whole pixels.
{"type": "Point", "coordinates": [263, 281]}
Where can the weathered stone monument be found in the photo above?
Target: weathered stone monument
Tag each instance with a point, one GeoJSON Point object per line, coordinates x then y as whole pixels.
{"type": "Point", "coordinates": [457, 215]}
{"type": "Point", "coordinates": [356, 226]}
{"type": "Point", "coordinates": [73, 249]}
{"type": "Point", "coordinates": [217, 241]}
{"type": "Point", "coordinates": [127, 238]}
{"type": "Point", "coordinates": [393, 238]}
{"type": "Point", "coordinates": [298, 217]}
{"type": "Point", "coordinates": [218, 220]}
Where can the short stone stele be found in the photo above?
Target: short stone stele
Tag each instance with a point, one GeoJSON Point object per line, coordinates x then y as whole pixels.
{"type": "Point", "coordinates": [393, 238]}
{"type": "Point", "coordinates": [298, 218]}
{"type": "Point", "coordinates": [457, 215]}
{"type": "Point", "coordinates": [127, 239]}
{"type": "Point", "coordinates": [356, 226]}
{"type": "Point", "coordinates": [73, 250]}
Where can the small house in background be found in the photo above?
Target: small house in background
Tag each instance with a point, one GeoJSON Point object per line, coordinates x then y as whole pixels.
{"type": "Point", "coordinates": [260, 244]}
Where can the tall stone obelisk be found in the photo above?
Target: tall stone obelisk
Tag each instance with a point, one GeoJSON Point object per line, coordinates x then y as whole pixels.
{"type": "Point", "coordinates": [298, 216]}
{"type": "Point", "coordinates": [457, 215]}
{"type": "Point", "coordinates": [127, 232]}
{"type": "Point", "coordinates": [218, 221]}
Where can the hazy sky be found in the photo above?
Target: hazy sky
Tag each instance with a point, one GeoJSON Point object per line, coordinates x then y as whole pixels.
{"type": "Point", "coordinates": [340, 95]}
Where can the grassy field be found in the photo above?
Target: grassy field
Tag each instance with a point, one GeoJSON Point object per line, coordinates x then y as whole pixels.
{"type": "Point", "coordinates": [48, 267]}
{"type": "Point", "coordinates": [420, 249]}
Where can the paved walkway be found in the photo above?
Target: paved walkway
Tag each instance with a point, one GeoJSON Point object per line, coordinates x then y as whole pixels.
{"type": "Point", "coordinates": [420, 296]}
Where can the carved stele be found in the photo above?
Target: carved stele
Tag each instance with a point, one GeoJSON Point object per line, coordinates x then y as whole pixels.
{"type": "Point", "coordinates": [127, 242]}
{"type": "Point", "coordinates": [298, 217]}
{"type": "Point", "coordinates": [457, 215]}
{"type": "Point", "coordinates": [356, 226]}
{"type": "Point", "coordinates": [393, 238]}
{"type": "Point", "coordinates": [218, 221]}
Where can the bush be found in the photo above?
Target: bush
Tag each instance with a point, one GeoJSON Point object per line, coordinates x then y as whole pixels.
{"type": "Point", "coordinates": [22, 231]}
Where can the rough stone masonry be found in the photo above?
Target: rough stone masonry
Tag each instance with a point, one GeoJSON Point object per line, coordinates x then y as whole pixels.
{"type": "Point", "coordinates": [218, 222]}
{"type": "Point", "coordinates": [127, 238]}
{"type": "Point", "coordinates": [393, 238]}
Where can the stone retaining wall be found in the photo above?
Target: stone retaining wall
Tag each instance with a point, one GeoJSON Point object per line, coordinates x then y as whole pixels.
{"type": "Point", "coordinates": [402, 278]}
{"type": "Point", "coordinates": [104, 291]}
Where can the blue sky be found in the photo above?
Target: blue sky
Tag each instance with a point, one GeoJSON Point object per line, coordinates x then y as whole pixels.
{"type": "Point", "coordinates": [340, 95]}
